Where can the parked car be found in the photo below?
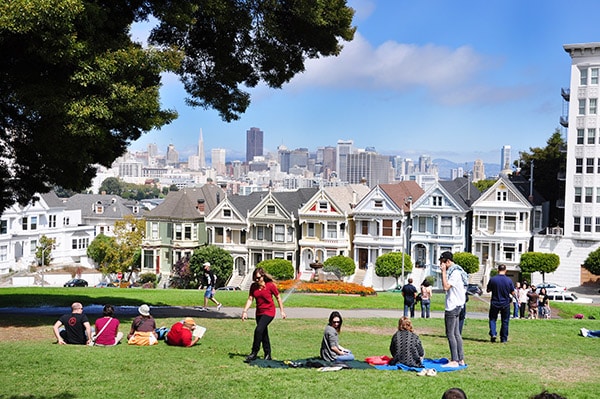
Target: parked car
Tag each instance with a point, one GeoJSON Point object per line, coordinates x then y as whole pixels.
{"type": "Point", "coordinates": [549, 287]}
{"type": "Point", "coordinates": [566, 296]}
{"type": "Point", "coordinates": [229, 288]}
{"type": "Point", "coordinates": [104, 284]}
{"type": "Point", "coordinates": [76, 282]}
{"type": "Point", "coordinates": [474, 289]}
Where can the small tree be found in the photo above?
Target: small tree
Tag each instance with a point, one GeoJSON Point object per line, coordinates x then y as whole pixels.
{"type": "Point", "coordinates": [390, 265]}
{"type": "Point", "coordinates": [102, 250]}
{"type": "Point", "coordinates": [182, 274]}
{"type": "Point", "coordinates": [592, 262]}
{"type": "Point", "coordinates": [468, 261]}
{"type": "Point", "coordinates": [340, 265]}
{"type": "Point", "coordinates": [44, 250]}
{"type": "Point", "coordinates": [539, 262]}
{"type": "Point", "coordinates": [220, 260]}
{"type": "Point", "coordinates": [279, 269]}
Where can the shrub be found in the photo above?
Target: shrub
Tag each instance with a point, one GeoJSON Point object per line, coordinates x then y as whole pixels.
{"type": "Point", "coordinates": [147, 278]}
{"type": "Point", "coordinates": [279, 269]}
{"type": "Point", "coordinates": [340, 265]}
{"type": "Point", "coordinates": [326, 287]}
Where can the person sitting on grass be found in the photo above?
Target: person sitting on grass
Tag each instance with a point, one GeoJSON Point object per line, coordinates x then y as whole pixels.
{"type": "Point", "coordinates": [107, 328]}
{"type": "Point", "coordinates": [143, 328]}
{"type": "Point", "coordinates": [181, 333]}
{"type": "Point", "coordinates": [331, 350]}
{"type": "Point", "coordinates": [73, 328]}
{"type": "Point", "coordinates": [406, 347]}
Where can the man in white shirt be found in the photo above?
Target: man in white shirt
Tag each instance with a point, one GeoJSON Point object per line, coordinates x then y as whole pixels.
{"type": "Point", "coordinates": [454, 282]}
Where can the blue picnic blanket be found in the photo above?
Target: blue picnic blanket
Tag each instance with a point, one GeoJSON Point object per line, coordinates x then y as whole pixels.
{"type": "Point", "coordinates": [435, 364]}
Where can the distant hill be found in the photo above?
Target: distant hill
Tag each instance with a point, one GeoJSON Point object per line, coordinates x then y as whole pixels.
{"type": "Point", "coordinates": [445, 168]}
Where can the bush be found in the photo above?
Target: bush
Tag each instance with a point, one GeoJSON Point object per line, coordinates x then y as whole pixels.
{"type": "Point", "coordinates": [340, 265]}
{"type": "Point", "coordinates": [147, 278]}
{"type": "Point", "coordinates": [279, 269]}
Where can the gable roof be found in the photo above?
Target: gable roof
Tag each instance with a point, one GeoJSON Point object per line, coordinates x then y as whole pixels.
{"type": "Point", "coordinates": [402, 191]}
{"type": "Point", "coordinates": [184, 204]}
{"type": "Point", "coordinates": [114, 207]}
{"type": "Point", "coordinates": [346, 197]}
{"type": "Point", "coordinates": [292, 201]}
{"type": "Point", "coordinates": [488, 198]}
{"type": "Point", "coordinates": [462, 190]}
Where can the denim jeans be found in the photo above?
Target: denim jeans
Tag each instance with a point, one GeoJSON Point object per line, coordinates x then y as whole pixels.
{"type": "Point", "coordinates": [410, 307]}
{"type": "Point", "coordinates": [425, 308]}
{"type": "Point", "coordinates": [516, 310]}
{"type": "Point", "coordinates": [504, 318]}
{"type": "Point", "coordinates": [451, 319]}
{"type": "Point", "coordinates": [345, 358]}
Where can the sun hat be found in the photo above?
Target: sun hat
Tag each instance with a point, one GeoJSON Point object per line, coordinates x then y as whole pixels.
{"type": "Point", "coordinates": [144, 310]}
{"type": "Point", "coordinates": [206, 264]}
{"type": "Point", "coordinates": [190, 321]}
{"type": "Point", "coordinates": [447, 255]}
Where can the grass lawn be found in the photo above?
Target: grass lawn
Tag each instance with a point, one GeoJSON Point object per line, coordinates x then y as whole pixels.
{"type": "Point", "coordinates": [541, 354]}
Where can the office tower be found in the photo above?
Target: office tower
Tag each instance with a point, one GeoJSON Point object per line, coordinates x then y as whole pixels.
{"type": "Point", "coordinates": [172, 155]}
{"type": "Point", "coordinates": [299, 157]}
{"type": "Point", "coordinates": [218, 161]}
{"type": "Point", "coordinates": [152, 150]}
{"type": "Point", "coordinates": [505, 161]}
{"type": "Point", "coordinates": [202, 160]}
{"type": "Point", "coordinates": [283, 157]}
{"type": "Point", "coordinates": [478, 170]}
{"type": "Point", "coordinates": [369, 167]}
{"type": "Point", "coordinates": [254, 143]}
{"type": "Point", "coordinates": [344, 147]}
{"type": "Point", "coordinates": [425, 163]}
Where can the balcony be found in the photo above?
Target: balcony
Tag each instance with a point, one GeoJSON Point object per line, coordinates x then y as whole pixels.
{"type": "Point", "coordinates": [564, 121]}
{"type": "Point", "coordinates": [566, 94]}
{"type": "Point", "coordinates": [554, 231]}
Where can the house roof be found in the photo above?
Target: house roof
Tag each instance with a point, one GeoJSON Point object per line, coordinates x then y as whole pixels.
{"type": "Point", "coordinates": [462, 190]}
{"type": "Point", "coordinates": [346, 197]}
{"type": "Point", "coordinates": [114, 207]}
{"type": "Point", "coordinates": [292, 201]}
{"type": "Point", "coordinates": [402, 191]}
{"type": "Point", "coordinates": [524, 187]}
{"type": "Point", "coordinates": [183, 204]}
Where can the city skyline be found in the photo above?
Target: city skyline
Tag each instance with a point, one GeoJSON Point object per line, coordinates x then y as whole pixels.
{"type": "Point", "coordinates": [478, 77]}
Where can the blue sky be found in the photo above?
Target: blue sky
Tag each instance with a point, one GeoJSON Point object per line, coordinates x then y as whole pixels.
{"type": "Point", "coordinates": [450, 79]}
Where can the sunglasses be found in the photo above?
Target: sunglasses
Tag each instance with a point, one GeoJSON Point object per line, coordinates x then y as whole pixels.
{"type": "Point", "coordinates": [258, 278]}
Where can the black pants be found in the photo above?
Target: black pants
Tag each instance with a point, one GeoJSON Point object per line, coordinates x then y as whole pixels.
{"type": "Point", "coordinates": [261, 334]}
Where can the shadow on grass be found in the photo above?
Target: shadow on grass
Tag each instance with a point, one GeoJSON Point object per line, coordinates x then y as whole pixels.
{"type": "Point", "coordinates": [57, 396]}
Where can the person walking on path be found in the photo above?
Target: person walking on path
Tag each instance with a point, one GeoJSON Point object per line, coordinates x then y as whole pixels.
{"type": "Point", "coordinates": [502, 290]}
{"type": "Point", "coordinates": [426, 293]}
{"type": "Point", "coordinates": [209, 282]}
{"type": "Point", "coordinates": [263, 289]}
{"type": "Point", "coordinates": [454, 282]}
{"type": "Point", "coordinates": [76, 327]}
{"type": "Point", "coordinates": [409, 292]}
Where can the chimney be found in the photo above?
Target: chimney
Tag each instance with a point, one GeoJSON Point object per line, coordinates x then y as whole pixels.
{"type": "Point", "coordinates": [218, 197]}
{"type": "Point", "coordinates": [200, 206]}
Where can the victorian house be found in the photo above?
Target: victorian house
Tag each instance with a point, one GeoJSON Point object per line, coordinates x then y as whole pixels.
{"type": "Point", "coordinates": [381, 226]}
{"type": "Point", "coordinates": [326, 225]}
{"type": "Point", "coordinates": [176, 227]}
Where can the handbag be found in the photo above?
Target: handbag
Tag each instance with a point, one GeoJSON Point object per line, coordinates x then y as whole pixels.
{"type": "Point", "coordinates": [94, 336]}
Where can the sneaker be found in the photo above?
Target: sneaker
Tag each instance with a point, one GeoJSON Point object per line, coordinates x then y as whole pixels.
{"type": "Point", "coordinates": [431, 373]}
{"type": "Point", "coordinates": [203, 309]}
{"type": "Point", "coordinates": [219, 306]}
{"type": "Point", "coordinates": [250, 357]}
{"type": "Point", "coordinates": [493, 339]}
{"type": "Point", "coordinates": [268, 357]}
{"type": "Point", "coordinates": [422, 373]}
{"type": "Point", "coordinates": [583, 332]}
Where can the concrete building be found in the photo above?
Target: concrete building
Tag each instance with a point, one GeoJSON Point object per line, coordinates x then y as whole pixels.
{"type": "Point", "coordinates": [218, 161]}
{"type": "Point", "coordinates": [369, 167]}
{"type": "Point", "coordinates": [254, 143]}
{"type": "Point", "coordinates": [344, 148]}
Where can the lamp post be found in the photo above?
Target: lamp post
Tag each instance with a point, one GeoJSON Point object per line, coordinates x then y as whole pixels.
{"type": "Point", "coordinates": [404, 249]}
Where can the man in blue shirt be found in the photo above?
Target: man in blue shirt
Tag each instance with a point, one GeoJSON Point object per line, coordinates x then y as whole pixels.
{"type": "Point", "coordinates": [409, 292]}
{"type": "Point", "coordinates": [502, 289]}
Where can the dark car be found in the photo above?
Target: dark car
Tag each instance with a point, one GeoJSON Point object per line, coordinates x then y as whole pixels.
{"type": "Point", "coordinates": [228, 288]}
{"type": "Point", "coordinates": [474, 289]}
{"type": "Point", "coordinates": [76, 282]}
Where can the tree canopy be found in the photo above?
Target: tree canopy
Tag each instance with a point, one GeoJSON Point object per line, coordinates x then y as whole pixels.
{"type": "Point", "coordinates": [468, 261]}
{"type": "Point", "coordinates": [75, 89]}
{"type": "Point", "coordinates": [592, 262]}
{"type": "Point", "coordinates": [539, 262]}
{"type": "Point", "coordinates": [390, 265]}
{"type": "Point", "coordinates": [221, 264]}
{"type": "Point", "coordinates": [339, 265]}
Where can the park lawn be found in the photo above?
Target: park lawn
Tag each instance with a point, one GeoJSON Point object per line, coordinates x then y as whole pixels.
{"type": "Point", "coordinates": [541, 354]}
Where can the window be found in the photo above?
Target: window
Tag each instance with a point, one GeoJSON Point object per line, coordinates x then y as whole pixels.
{"type": "Point", "coordinates": [446, 225]}
{"type": "Point", "coordinates": [378, 203]}
{"type": "Point", "coordinates": [66, 221]}
{"type": "Point", "coordinates": [331, 230]}
{"type": "Point", "coordinates": [32, 246]}
{"type": "Point", "coordinates": [271, 209]}
{"type": "Point", "coordinates": [310, 229]}
{"type": "Point", "coordinates": [589, 165]}
{"type": "Point", "coordinates": [243, 237]}
{"type": "Point", "coordinates": [3, 253]}
{"type": "Point", "coordinates": [594, 76]}
{"type": "Point", "coordinates": [581, 106]}
{"type": "Point", "coordinates": [3, 226]}
{"type": "Point", "coordinates": [342, 230]}
{"type": "Point", "coordinates": [388, 228]}
{"type": "Point", "coordinates": [34, 223]}
{"type": "Point", "coordinates": [322, 205]}
{"type": "Point", "coordinates": [589, 194]}
{"type": "Point", "coordinates": [398, 228]}
{"type": "Point", "coordinates": [290, 234]}
{"type": "Point", "coordinates": [583, 77]}
{"type": "Point", "coordinates": [178, 232]}
{"type": "Point", "coordinates": [587, 224]}
{"type": "Point", "coordinates": [279, 233]}
{"type": "Point", "coordinates": [580, 136]}
{"type": "Point", "coordinates": [509, 252]}
{"type": "Point", "coordinates": [74, 243]}
{"type": "Point", "coordinates": [597, 225]}
{"type": "Point", "coordinates": [154, 231]}
{"type": "Point", "coordinates": [226, 213]}
{"type": "Point", "coordinates": [577, 194]}
{"type": "Point", "coordinates": [148, 259]}
{"type": "Point", "coordinates": [187, 232]}
{"type": "Point", "coordinates": [364, 228]}
{"type": "Point", "coordinates": [99, 209]}
{"type": "Point", "coordinates": [437, 200]}
{"type": "Point", "coordinates": [598, 195]}
{"type": "Point", "coordinates": [576, 223]}
{"type": "Point", "coordinates": [501, 195]}
{"type": "Point", "coordinates": [593, 106]}
{"type": "Point", "coordinates": [422, 225]}
{"type": "Point", "coordinates": [483, 222]}
{"type": "Point", "coordinates": [578, 165]}
{"type": "Point", "coordinates": [218, 235]}
{"type": "Point", "coordinates": [52, 221]}
{"type": "Point", "coordinates": [510, 221]}
{"type": "Point", "coordinates": [24, 223]}
{"type": "Point", "coordinates": [260, 233]}
{"type": "Point", "coordinates": [591, 138]}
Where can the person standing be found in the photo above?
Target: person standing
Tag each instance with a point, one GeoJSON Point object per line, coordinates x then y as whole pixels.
{"type": "Point", "coordinates": [263, 289]}
{"type": "Point", "coordinates": [532, 302]}
{"type": "Point", "coordinates": [426, 293]}
{"type": "Point", "coordinates": [107, 328]}
{"type": "Point", "coordinates": [515, 300]}
{"type": "Point", "coordinates": [209, 282]}
{"type": "Point", "coordinates": [502, 290]}
{"type": "Point", "coordinates": [454, 282]}
{"type": "Point", "coordinates": [331, 350]}
{"type": "Point", "coordinates": [523, 300]}
{"type": "Point", "coordinates": [76, 327]}
{"type": "Point", "coordinates": [409, 292]}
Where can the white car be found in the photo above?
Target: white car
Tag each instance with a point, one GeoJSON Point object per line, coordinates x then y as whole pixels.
{"type": "Point", "coordinates": [550, 287]}
{"type": "Point", "coordinates": [567, 296]}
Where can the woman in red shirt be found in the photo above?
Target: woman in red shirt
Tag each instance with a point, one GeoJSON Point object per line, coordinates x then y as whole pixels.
{"type": "Point", "coordinates": [263, 289]}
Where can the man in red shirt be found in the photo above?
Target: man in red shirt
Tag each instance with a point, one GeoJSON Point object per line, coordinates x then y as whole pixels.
{"type": "Point", "coordinates": [180, 333]}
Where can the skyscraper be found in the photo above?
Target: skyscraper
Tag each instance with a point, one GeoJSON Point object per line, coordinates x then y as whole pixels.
{"type": "Point", "coordinates": [478, 170]}
{"type": "Point", "coordinates": [344, 147]}
{"type": "Point", "coordinates": [202, 163]}
{"type": "Point", "coordinates": [172, 155]}
{"type": "Point", "coordinates": [254, 143]}
{"type": "Point", "coordinates": [218, 161]}
{"type": "Point", "coordinates": [505, 159]}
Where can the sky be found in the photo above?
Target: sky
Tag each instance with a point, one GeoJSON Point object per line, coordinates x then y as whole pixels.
{"type": "Point", "coordinates": [455, 80]}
